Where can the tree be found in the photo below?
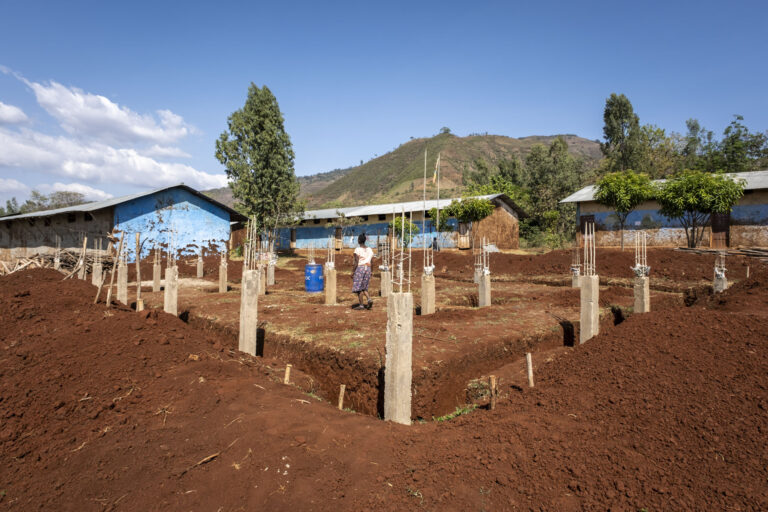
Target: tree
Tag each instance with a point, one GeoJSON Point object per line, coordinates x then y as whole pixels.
{"type": "Point", "coordinates": [444, 130]}
{"type": "Point", "coordinates": [11, 207]}
{"type": "Point", "coordinates": [693, 196]}
{"type": "Point", "coordinates": [469, 209]}
{"type": "Point", "coordinates": [659, 154]}
{"type": "Point", "coordinates": [623, 191]}
{"type": "Point", "coordinates": [406, 236]}
{"type": "Point", "coordinates": [444, 226]}
{"type": "Point", "coordinates": [258, 157]}
{"type": "Point", "coordinates": [621, 130]}
{"type": "Point", "coordinates": [741, 150]}
{"type": "Point", "coordinates": [344, 222]}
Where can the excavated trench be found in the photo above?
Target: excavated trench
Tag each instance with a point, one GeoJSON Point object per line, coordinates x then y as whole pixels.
{"type": "Point", "coordinates": [437, 389]}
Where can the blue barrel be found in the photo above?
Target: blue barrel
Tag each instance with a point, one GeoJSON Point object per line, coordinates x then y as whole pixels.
{"type": "Point", "coordinates": [313, 278]}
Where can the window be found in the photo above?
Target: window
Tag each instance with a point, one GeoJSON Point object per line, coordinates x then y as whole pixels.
{"type": "Point", "coordinates": [365, 218]}
{"type": "Point", "coordinates": [71, 217]}
{"type": "Point", "coordinates": [88, 217]}
{"type": "Point", "coordinates": [317, 221]}
{"type": "Point", "coordinates": [383, 216]}
{"type": "Point", "coordinates": [47, 221]}
{"type": "Point", "coordinates": [328, 221]}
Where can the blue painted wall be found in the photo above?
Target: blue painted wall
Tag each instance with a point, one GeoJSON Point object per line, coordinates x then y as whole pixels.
{"type": "Point", "coordinates": [318, 235]}
{"type": "Point", "coordinates": [196, 222]}
{"type": "Point", "coordinates": [745, 215]}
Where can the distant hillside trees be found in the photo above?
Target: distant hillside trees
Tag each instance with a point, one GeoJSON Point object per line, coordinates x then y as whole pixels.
{"type": "Point", "coordinates": [257, 154]}
{"type": "Point", "coordinates": [39, 202]}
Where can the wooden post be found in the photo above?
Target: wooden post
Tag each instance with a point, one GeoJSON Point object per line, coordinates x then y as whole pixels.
{"type": "Point", "coordinates": [341, 396]}
{"type": "Point", "coordinates": [492, 385]}
{"type": "Point", "coordinates": [529, 364]}
{"type": "Point", "coordinates": [103, 275]}
{"type": "Point", "coordinates": [139, 300]}
{"type": "Point", "coordinates": [114, 268]}
{"type": "Point", "coordinates": [287, 377]}
{"type": "Point", "coordinates": [81, 273]}
{"type": "Point", "coordinates": [747, 271]}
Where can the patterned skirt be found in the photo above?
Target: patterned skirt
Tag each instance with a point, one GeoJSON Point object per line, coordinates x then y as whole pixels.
{"type": "Point", "coordinates": [361, 278]}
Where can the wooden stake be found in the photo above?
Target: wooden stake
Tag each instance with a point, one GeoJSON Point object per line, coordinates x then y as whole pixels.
{"type": "Point", "coordinates": [114, 267]}
{"type": "Point", "coordinates": [492, 385]}
{"type": "Point", "coordinates": [81, 273]}
{"type": "Point", "coordinates": [529, 364]}
{"type": "Point", "coordinates": [747, 271]}
{"type": "Point", "coordinates": [138, 272]}
{"type": "Point", "coordinates": [341, 396]}
{"type": "Point", "coordinates": [287, 377]}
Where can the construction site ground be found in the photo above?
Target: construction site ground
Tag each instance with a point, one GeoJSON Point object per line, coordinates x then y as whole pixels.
{"type": "Point", "coordinates": [110, 409]}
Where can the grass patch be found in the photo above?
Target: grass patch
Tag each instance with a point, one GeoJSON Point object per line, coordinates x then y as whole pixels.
{"type": "Point", "coordinates": [458, 412]}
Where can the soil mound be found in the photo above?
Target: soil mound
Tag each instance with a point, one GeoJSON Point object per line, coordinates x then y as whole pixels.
{"type": "Point", "coordinates": [747, 295]}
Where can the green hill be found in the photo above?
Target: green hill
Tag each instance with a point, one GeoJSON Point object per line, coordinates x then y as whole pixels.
{"type": "Point", "coordinates": [398, 175]}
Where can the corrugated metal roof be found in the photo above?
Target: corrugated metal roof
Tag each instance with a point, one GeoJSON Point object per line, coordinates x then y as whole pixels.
{"type": "Point", "coordinates": [754, 180]}
{"type": "Point", "coordinates": [99, 205]}
{"type": "Point", "coordinates": [410, 206]}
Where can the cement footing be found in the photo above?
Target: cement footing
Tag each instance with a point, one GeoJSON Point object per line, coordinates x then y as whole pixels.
{"type": "Point", "coordinates": [262, 281]}
{"type": "Point", "coordinates": [223, 278]}
{"type": "Point", "coordinates": [386, 283]}
{"type": "Point", "coordinates": [575, 280]}
{"type": "Point", "coordinates": [122, 283]}
{"type": "Point", "coordinates": [156, 276]}
{"type": "Point", "coordinates": [398, 372]}
{"type": "Point", "coordinates": [330, 286]}
{"type": "Point", "coordinates": [590, 308]}
{"type": "Point", "coordinates": [427, 294]}
{"type": "Point", "coordinates": [484, 291]}
{"type": "Point", "coordinates": [96, 274]}
{"type": "Point", "coordinates": [199, 268]}
{"type": "Point", "coordinates": [270, 275]}
{"type": "Point", "coordinates": [478, 275]}
{"type": "Point", "coordinates": [642, 295]}
{"type": "Point", "coordinates": [249, 302]}
{"type": "Point", "coordinates": [171, 295]}
{"type": "Point", "coordinates": [720, 284]}
{"type": "Point", "coordinates": [139, 305]}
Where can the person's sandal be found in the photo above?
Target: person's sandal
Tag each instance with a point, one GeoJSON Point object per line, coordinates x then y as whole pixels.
{"type": "Point", "coordinates": [359, 307]}
{"type": "Point", "coordinates": [369, 305]}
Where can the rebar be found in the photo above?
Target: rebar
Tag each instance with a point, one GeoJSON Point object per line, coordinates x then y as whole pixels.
{"type": "Point", "coordinates": [641, 268]}
{"type": "Point", "coordinates": [589, 249]}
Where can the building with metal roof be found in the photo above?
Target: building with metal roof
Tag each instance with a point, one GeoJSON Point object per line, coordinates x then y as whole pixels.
{"type": "Point", "coordinates": [320, 226]}
{"type": "Point", "coordinates": [746, 225]}
{"type": "Point", "coordinates": [176, 215]}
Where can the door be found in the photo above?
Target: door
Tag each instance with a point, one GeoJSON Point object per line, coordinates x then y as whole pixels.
{"type": "Point", "coordinates": [721, 231]}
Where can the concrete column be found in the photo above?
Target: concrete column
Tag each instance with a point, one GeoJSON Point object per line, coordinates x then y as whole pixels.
{"type": "Point", "coordinates": [262, 281]}
{"type": "Point", "coordinates": [427, 294]}
{"type": "Point", "coordinates": [478, 275]}
{"type": "Point", "coordinates": [249, 302]}
{"type": "Point", "coordinates": [330, 286]}
{"type": "Point", "coordinates": [271, 274]}
{"type": "Point", "coordinates": [122, 283]}
{"type": "Point", "coordinates": [171, 295]}
{"type": "Point", "coordinates": [720, 284]}
{"type": "Point", "coordinates": [575, 280]}
{"type": "Point", "coordinates": [386, 283]}
{"type": "Point", "coordinates": [642, 295]}
{"type": "Point", "coordinates": [200, 267]}
{"type": "Point", "coordinates": [81, 272]}
{"type": "Point", "coordinates": [156, 272]}
{"type": "Point", "coordinates": [96, 274]}
{"type": "Point", "coordinates": [484, 291]}
{"type": "Point", "coordinates": [590, 308]}
{"type": "Point", "coordinates": [398, 371]}
{"type": "Point", "coordinates": [223, 278]}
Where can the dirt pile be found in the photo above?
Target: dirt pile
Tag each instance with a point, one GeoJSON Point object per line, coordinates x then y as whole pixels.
{"type": "Point", "coordinates": [114, 410]}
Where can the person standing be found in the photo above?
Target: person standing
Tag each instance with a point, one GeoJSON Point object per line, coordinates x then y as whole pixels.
{"type": "Point", "coordinates": [361, 275]}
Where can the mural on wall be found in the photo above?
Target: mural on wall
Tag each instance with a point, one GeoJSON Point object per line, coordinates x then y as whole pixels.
{"type": "Point", "coordinates": [175, 214]}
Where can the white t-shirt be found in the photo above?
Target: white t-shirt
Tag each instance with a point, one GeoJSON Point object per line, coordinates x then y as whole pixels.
{"type": "Point", "coordinates": [364, 255]}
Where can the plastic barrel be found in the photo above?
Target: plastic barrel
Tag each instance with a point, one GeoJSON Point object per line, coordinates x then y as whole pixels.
{"type": "Point", "coordinates": [313, 278]}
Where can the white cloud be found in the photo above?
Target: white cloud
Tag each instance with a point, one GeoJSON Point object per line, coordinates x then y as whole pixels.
{"type": "Point", "coordinates": [90, 193]}
{"type": "Point", "coordinates": [96, 162]}
{"type": "Point", "coordinates": [10, 114]}
{"type": "Point", "coordinates": [9, 185]}
{"type": "Point", "coordinates": [166, 152]}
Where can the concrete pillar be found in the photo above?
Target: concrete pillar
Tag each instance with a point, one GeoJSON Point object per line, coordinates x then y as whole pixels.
{"type": "Point", "coordinates": [249, 302]}
{"type": "Point", "coordinates": [478, 275]}
{"type": "Point", "coordinates": [398, 371]}
{"type": "Point", "coordinates": [427, 294]}
{"type": "Point", "coordinates": [642, 295]}
{"type": "Point", "coordinates": [223, 278]}
{"type": "Point", "coordinates": [96, 274]}
{"type": "Point", "coordinates": [575, 280]}
{"type": "Point", "coordinates": [590, 307]}
{"type": "Point", "coordinates": [330, 286]}
{"type": "Point", "coordinates": [386, 283]}
{"type": "Point", "coordinates": [262, 281]}
{"type": "Point", "coordinates": [139, 304]}
{"type": "Point", "coordinates": [81, 272]}
{"type": "Point", "coordinates": [122, 283]}
{"type": "Point", "coordinates": [484, 291]}
{"type": "Point", "coordinates": [200, 267]}
{"type": "Point", "coordinates": [156, 272]}
{"type": "Point", "coordinates": [171, 295]}
{"type": "Point", "coordinates": [720, 284]}
{"type": "Point", "coordinates": [271, 274]}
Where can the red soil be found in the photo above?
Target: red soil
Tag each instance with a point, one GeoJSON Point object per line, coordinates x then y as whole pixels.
{"type": "Point", "coordinates": [114, 410]}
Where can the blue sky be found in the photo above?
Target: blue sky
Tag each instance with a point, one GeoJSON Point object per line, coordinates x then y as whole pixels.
{"type": "Point", "coordinates": [110, 98]}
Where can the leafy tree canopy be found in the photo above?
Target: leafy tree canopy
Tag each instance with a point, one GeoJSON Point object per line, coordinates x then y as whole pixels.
{"type": "Point", "coordinates": [693, 196]}
{"type": "Point", "coordinates": [444, 226]}
{"type": "Point", "coordinates": [259, 160]}
{"type": "Point", "coordinates": [623, 191]}
{"type": "Point", "coordinates": [470, 209]}
{"type": "Point", "coordinates": [40, 202]}
{"type": "Point", "coordinates": [621, 131]}
{"type": "Point", "coordinates": [411, 229]}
